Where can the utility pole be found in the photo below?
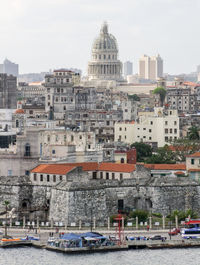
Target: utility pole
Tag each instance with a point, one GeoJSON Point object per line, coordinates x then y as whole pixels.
{"type": "Point", "coordinates": [170, 225]}
{"type": "Point", "coordinates": [6, 203]}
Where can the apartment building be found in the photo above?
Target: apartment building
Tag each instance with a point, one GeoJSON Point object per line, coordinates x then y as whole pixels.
{"type": "Point", "coordinates": [150, 67]}
{"type": "Point", "coordinates": [60, 94]}
{"type": "Point", "coordinates": [156, 128]}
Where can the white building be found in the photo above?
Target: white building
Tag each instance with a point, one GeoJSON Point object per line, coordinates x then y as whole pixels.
{"type": "Point", "coordinates": [104, 64]}
{"type": "Point", "coordinates": [155, 128]}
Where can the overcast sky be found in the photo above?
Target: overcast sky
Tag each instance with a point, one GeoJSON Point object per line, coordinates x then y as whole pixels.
{"type": "Point", "coordinates": [46, 34]}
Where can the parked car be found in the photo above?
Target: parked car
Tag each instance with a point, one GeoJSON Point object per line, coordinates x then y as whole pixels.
{"type": "Point", "coordinates": [174, 232]}
{"type": "Point", "coordinates": [158, 237]}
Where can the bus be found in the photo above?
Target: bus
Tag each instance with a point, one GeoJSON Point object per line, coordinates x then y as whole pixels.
{"type": "Point", "coordinates": [191, 230]}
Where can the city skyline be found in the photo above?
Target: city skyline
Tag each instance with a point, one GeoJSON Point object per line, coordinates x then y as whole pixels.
{"type": "Point", "coordinates": [50, 34]}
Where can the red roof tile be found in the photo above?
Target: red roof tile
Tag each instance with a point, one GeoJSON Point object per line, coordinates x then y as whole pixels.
{"type": "Point", "coordinates": [166, 166]}
{"type": "Point", "coordinates": [59, 169]}
{"type": "Point", "coordinates": [116, 167]}
{"type": "Point", "coordinates": [194, 170]}
{"type": "Point", "coordinates": [197, 154]}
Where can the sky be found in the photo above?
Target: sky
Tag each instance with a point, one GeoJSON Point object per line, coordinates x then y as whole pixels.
{"type": "Point", "coordinates": [47, 34]}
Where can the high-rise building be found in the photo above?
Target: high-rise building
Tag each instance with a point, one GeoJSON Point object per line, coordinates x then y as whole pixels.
{"type": "Point", "coordinates": [128, 68]}
{"type": "Point", "coordinates": [104, 64]}
{"type": "Point", "coordinates": [150, 67]}
{"type": "Point", "coordinates": [8, 91]}
{"type": "Point", "coordinates": [9, 68]}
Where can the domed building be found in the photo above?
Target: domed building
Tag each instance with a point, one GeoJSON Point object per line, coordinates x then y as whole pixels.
{"type": "Point", "coordinates": [104, 64]}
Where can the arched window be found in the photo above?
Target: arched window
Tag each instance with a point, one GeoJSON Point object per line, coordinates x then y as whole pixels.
{"type": "Point", "coordinates": [27, 150]}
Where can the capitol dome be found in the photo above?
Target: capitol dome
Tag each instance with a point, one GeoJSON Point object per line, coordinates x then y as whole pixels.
{"type": "Point", "coordinates": [105, 41]}
{"type": "Point", "coordinates": [105, 64]}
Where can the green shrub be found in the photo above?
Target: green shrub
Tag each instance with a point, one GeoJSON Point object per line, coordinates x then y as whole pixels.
{"type": "Point", "coordinates": [141, 214]}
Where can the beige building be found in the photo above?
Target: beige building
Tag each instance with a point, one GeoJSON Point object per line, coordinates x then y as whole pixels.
{"type": "Point", "coordinates": [156, 128]}
{"type": "Point", "coordinates": [59, 143]}
{"type": "Point", "coordinates": [150, 67]}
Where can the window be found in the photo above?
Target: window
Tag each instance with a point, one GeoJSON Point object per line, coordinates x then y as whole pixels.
{"type": "Point", "coordinates": [41, 177]}
{"type": "Point", "coordinates": [192, 161]}
{"type": "Point", "coordinates": [107, 123]}
{"type": "Point", "coordinates": [144, 129]}
{"type": "Point", "coordinates": [122, 160]}
{"type": "Point", "coordinates": [94, 175]}
{"type": "Point", "coordinates": [149, 138]}
{"type": "Point", "coordinates": [107, 175]}
{"type": "Point", "coordinates": [101, 175]}
{"type": "Point", "coordinates": [113, 175]}
{"type": "Point", "coordinates": [17, 124]}
{"type": "Point", "coordinates": [61, 177]}
{"type": "Point", "coordinates": [80, 137]}
{"type": "Point", "coordinates": [166, 138]}
{"type": "Point", "coordinates": [149, 130]}
{"type": "Point", "coordinates": [166, 122]}
{"type": "Point", "coordinates": [89, 146]}
{"type": "Point", "coordinates": [170, 130]}
{"type": "Point", "coordinates": [121, 176]}
{"type": "Point", "coordinates": [34, 176]}
{"type": "Point", "coordinates": [27, 150]}
{"type": "Point", "coordinates": [120, 205]}
{"type": "Point", "coordinates": [120, 128]}
{"type": "Point", "coordinates": [125, 128]}
{"type": "Point", "coordinates": [166, 130]}
{"type": "Point", "coordinates": [48, 179]}
{"type": "Point", "coordinates": [151, 123]}
{"type": "Point", "coordinates": [72, 138]}
{"type": "Point", "coordinates": [54, 178]}
{"type": "Point", "coordinates": [175, 130]}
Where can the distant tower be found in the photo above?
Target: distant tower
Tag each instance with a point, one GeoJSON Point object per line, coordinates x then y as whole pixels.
{"type": "Point", "coordinates": [9, 68]}
{"type": "Point", "coordinates": [128, 68]}
{"type": "Point", "coordinates": [150, 67]}
{"type": "Point", "coordinates": [104, 64]}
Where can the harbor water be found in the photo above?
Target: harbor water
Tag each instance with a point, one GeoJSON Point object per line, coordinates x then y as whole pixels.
{"type": "Point", "coordinates": [33, 256]}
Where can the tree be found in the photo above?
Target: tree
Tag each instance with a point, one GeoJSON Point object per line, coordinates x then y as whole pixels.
{"type": "Point", "coordinates": [161, 92]}
{"type": "Point", "coordinates": [143, 151]}
{"type": "Point", "coordinates": [163, 156]}
{"type": "Point", "coordinates": [141, 214]}
{"type": "Point", "coordinates": [134, 97]}
{"type": "Point", "coordinates": [193, 133]}
{"type": "Point", "coordinates": [184, 147]}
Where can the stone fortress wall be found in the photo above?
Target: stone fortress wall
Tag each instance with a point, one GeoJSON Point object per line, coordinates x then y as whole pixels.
{"type": "Point", "coordinates": [76, 199]}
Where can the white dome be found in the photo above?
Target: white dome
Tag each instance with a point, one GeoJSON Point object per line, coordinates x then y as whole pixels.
{"type": "Point", "coordinates": [105, 41]}
{"type": "Point", "coordinates": [104, 64]}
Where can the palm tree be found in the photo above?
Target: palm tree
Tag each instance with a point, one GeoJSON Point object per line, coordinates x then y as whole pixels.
{"type": "Point", "coordinates": [193, 133]}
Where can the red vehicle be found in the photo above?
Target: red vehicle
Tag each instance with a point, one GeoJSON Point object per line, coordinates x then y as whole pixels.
{"type": "Point", "coordinates": [174, 232]}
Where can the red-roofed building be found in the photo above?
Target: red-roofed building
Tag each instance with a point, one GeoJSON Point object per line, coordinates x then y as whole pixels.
{"type": "Point", "coordinates": [171, 170]}
{"type": "Point", "coordinates": [193, 165]}
{"type": "Point", "coordinates": [52, 174]}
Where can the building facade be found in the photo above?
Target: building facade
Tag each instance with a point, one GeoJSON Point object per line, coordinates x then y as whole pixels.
{"type": "Point", "coordinates": [8, 91]}
{"type": "Point", "coordinates": [155, 128]}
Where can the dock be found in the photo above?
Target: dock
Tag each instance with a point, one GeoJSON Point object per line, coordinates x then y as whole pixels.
{"type": "Point", "coordinates": [91, 249]}
{"type": "Point", "coordinates": [18, 243]}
